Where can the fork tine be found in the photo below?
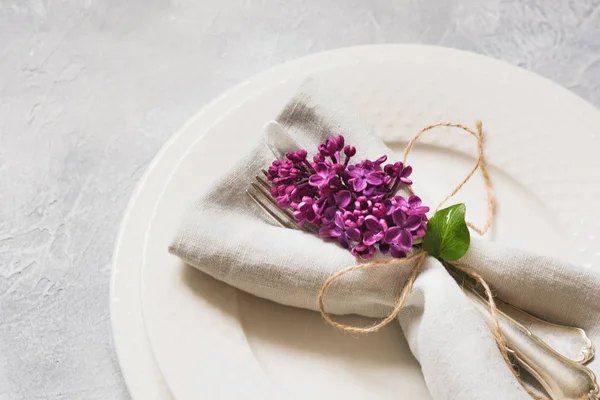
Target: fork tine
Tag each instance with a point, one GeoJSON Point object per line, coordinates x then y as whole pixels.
{"type": "Point", "coordinates": [263, 182]}
{"type": "Point", "coordinates": [265, 195]}
{"type": "Point", "coordinates": [267, 210]}
{"type": "Point", "coordinates": [263, 189]}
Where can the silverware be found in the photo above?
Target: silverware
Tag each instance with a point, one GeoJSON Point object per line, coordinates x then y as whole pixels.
{"type": "Point", "coordinates": [559, 369]}
{"type": "Point", "coordinates": [260, 194]}
{"type": "Point", "coordinates": [562, 378]}
{"type": "Point", "coordinates": [278, 141]}
{"type": "Point", "coordinates": [569, 341]}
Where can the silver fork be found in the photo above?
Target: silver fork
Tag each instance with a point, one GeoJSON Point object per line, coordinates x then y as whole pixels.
{"type": "Point", "coordinates": [259, 192]}
{"type": "Point", "coordinates": [561, 377]}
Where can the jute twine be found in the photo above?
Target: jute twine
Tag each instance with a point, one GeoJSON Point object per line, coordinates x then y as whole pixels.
{"type": "Point", "coordinates": [419, 256]}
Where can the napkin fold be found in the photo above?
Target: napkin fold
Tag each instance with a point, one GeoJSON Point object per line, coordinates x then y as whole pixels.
{"type": "Point", "coordinates": [228, 237]}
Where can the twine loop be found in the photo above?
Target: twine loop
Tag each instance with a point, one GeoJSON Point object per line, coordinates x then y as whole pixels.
{"type": "Point", "coordinates": [399, 300]}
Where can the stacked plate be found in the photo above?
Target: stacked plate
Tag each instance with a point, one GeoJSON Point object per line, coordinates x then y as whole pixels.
{"type": "Point", "coordinates": [182, 335]}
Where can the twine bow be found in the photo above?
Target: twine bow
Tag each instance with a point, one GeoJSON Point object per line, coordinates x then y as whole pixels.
{"type": "Point", "coordinates": [419, 256]}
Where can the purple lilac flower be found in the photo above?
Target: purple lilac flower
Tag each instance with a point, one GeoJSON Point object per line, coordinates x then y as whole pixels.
{"type": "Point", "coordinates": [406, 221]}
{"type": "Point", "coordinates": [297, 156]}
{"type": "Point", "coordinates": [285, 199]}
{"type": "Point", "coordinates": [362, 206]}
{"type": "Point", "coordinates": [323, 175]}
{"type": "Point", "coordinates": [399, 238]}
{"type": "Point", "coordinates": [398, 241]}
{"type": "Point", "coordinates": [397, 170]}
{"type": "Point", "coordinates": [363, 251]}
{"type": "Point", "coordinates": [361, 177]}
{"type": "Point", "coordinates": [352, 202]}
{"type": "Point", "coordinates": [349, 152]}
{"type": "Point", "coordinates": [306, 210]}
{"type": "Point", "coordinates": [422, 230]}
{"type": "Point", "coordinates": [398, 174]}
{"type": "Point", "coordinates": [338, 202]}
{"type": "Point", "coordinates": [378, 210]}
{"type": "Point", "coordinates": [375, 230]}
{"type": "Point", "coordinates": [341, 230]}
{"type": "Point", "coordinates": [412, 206]}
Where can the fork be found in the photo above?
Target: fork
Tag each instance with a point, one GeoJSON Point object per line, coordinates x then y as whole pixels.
{"type": "Point", "coordinates": [259, 192]}
{"type": "Point", "coordinates": [562, 378]}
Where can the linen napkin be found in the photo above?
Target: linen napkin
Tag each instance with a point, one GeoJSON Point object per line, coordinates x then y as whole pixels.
{"type": "Point", "coordinates": [228, 237]}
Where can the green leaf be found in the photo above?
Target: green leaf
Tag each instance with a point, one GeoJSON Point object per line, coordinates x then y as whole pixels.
{"type": "Point", "coordinates": [447, 236]}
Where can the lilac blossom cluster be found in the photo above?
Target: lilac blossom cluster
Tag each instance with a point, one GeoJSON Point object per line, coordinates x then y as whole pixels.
{"type": "Point", "coordinates": [354, 203]}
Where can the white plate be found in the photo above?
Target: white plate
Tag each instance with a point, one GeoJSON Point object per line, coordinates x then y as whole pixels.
{"type": "Point", "coordinates": [212, 342]}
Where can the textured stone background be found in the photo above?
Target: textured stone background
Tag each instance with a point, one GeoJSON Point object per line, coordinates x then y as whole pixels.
{"type": "Point", "coordinates": [90, 90]}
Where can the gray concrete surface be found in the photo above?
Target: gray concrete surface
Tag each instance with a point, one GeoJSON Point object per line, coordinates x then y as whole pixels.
{"type": "Point", "coordinates": [90, 90]}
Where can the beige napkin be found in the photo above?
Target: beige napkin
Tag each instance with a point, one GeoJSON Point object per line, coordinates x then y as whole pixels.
{"type": "Point", "coordinates": [228, 237]}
